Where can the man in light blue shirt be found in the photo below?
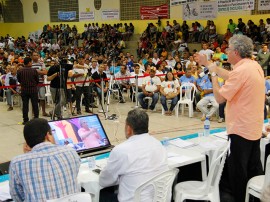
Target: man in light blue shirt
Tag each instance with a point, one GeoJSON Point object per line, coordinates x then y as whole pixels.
{"type": "Point", "coordinates": [45, 171]}
{"type": "Point", "coordinates": [208, 98]}
{"type": "Point", "coordinates": [115, 69]}
{"type": "Point", "coordinates": [187, 78]}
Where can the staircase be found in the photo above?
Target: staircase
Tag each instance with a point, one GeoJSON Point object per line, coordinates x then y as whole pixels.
{"type": "Point", "coordinates": [132, 45]}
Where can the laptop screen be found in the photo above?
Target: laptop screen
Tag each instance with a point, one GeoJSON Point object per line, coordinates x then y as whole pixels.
{"type": "Point", "coordinates": [84, 134]}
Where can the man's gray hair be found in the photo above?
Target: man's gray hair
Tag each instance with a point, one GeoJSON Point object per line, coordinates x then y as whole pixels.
{"type": "Point", "coordinates": [138, 120]}
{"type": "Point", "coordinates": [243, 45]}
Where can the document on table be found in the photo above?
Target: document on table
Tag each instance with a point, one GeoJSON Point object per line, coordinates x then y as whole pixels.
{"type": "Point", "coordinates": [181, 143]}
{"type": "Point", "coordinates": [214, 144]}
{"type": "Point", "coordinates": [177, 157]}
{"type": "Point", "coordinates": [4, 191]}
{"type": "Point", "coordinates": [222, 135]}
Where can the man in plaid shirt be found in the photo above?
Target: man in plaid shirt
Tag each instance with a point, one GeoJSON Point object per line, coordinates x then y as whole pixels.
{"type": "Point", "coordinates": [46, 171]}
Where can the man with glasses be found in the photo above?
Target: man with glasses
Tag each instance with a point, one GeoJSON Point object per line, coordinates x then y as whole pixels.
{"type": "Point", "coordinates": [244, 92]}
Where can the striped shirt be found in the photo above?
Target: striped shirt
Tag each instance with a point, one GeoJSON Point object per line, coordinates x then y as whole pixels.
{"type": "Point", "coordinates": [47, 172]}
{"type": "Point", "coordinates": [28, 78]}
{"type": "Point", "coordinates": [39, 66]}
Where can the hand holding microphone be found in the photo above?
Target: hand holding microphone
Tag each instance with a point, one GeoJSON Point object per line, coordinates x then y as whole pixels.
{"type": "Point", "coordinates": [201, 59]}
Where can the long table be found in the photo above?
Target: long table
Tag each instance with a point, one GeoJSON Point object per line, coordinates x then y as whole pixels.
{"type": "Point", "coordinates": [202, 147]}
{"type": "Point", "coordinates": [181, 157]}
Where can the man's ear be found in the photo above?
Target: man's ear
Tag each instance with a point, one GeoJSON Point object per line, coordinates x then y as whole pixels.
{"type": "Point", "coordinates": [49, 138]}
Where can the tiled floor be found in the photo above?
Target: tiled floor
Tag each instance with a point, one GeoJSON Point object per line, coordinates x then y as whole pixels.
{"type": "Point", "coordinates": [11, 132]}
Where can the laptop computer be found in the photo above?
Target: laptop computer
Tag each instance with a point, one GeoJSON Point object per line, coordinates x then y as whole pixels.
{"type": "Point", "coordinates": [85, 134]}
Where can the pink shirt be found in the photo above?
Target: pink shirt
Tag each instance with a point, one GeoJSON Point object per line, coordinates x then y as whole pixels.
{"type": "Point", "coordinates": [90, 137]}
{"type": "Point", "coordinates": [244, 92]}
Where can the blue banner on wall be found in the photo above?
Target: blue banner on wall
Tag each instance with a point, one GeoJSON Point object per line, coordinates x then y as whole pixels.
{"type": "Point", "coordinates": [67, 15]}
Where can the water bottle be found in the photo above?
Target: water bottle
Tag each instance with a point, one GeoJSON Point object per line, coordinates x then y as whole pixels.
{"type": "Point", "coordinates": [91, 162]}
{"type": "Point", "coordinates": [206, 127]}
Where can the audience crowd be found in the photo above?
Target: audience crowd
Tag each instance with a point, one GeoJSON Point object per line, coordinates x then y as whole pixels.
{"type": "Point", "coordinates": [166, 69]}
{"type": "Point", "coordinates": [162, 50]}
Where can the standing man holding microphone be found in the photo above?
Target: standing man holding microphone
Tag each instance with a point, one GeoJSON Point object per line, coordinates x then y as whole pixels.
{"type": "Point", "coordinates": [244, 92]}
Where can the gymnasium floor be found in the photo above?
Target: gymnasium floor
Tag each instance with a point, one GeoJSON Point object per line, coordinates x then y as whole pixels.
{"type": "Point", "coordinates": [11, 132]}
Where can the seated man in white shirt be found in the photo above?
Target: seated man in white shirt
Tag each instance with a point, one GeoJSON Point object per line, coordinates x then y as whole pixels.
{"type": "Point", "coordinates": [137, 72]}
{"type": "Point", "coordinates": [206, 51]}
{"type": "Point", "coordinates": [150, 87]}
{"type": "Point", "coordinates": [134, 161]}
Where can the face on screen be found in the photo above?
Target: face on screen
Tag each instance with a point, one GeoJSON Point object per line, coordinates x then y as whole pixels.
{"type": "Point", "coordinates": [80, 133]}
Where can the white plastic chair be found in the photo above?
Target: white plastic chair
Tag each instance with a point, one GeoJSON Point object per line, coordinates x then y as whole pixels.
{"type": "Point", "coordinates": [162, 185]}
{"type": "Point", "coordinates": [78, 197]}
{"type": "Point", "coordinates": [48, 94]}
{"type": "Point", "coordinates": [187, 96]}
{"type": "Point", "coordinates": [208, 189]}
{"type": "Point", "coordinates": [257, 184]}
{"type": "Point", "coordinates": [150, 101]}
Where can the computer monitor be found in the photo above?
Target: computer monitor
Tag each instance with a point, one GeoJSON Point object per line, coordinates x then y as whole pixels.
{"type": "Point", "coordinates": [85, 134]}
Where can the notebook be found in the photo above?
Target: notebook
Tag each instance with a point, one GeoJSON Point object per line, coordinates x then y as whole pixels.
{"type": "Point", "coordinates": [85, 134]}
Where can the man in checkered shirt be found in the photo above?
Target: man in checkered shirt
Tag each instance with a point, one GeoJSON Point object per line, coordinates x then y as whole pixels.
{"type": "Point", "coordinates": [46, 171]}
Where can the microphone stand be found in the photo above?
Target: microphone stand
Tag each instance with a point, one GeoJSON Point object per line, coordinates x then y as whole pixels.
{"type": "Point", "coordinates": [136, 94]}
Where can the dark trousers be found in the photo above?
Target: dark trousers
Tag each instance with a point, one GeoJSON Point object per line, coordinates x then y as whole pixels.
{"type": "Point", "coordinates": [120, 90]}
{"type": "Point", "coordinates": [34, 100]}
{"type": "Point", "coordinates": [79, 91]}
{"type": "Point", "coordinates": [108, 194]}
{"type": "Point", "coordinates": [221, 110]}
{"type": "Point", "coordinates": [242, 164]}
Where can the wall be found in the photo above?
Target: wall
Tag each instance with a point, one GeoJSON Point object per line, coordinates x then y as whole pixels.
{"type": "Point", "coordinates": [43, 11]}
{"type": "Point", "coordinates": [34, 22]}
{"type": "Point", "coordinates": [105, 4]}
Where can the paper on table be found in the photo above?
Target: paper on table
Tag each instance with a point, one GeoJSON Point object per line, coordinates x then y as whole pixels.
{"type": "Point", "coordinates": [172, 154]}
{"type": "Point", "coordinates": [222, 135]}
{"type": "Point", "coordinates": [212, 145]}
{"type": "Point", "coordinates": [4, 191]}
{"type": "Point", "coordinates": [101, 163]}
{"type": "Point", "coordinates": [179, 159]}
{"type": "Point", "coordinates": [181, 143]}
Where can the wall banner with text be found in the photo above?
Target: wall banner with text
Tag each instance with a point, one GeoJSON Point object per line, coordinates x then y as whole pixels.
{"type": "Point", "coordinates": [67, 15]}
{"type": "Point", "coordinates": [263, 5]}
{"type": "Point", "coordinates": [112, 14]}
{"type": "Point", "coordinates": [204, 10]}
{"type": "Point", "coordinates": [181, 2]}
{"type": "Point", "coordinates": [235, 5]}
{"type": "Point", "coordinates": [84, 16]}
{"type": "Point", "coordinates": [153, 12]}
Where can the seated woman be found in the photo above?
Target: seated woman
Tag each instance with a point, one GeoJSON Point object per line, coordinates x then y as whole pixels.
{"type": "Point", "coordinates": [170, 89]}
{"type": "Point", "coordinates": [178, 70]}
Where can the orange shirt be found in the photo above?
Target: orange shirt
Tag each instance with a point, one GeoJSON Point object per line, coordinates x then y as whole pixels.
{"type": "Point", "coordinates": [244, 92]}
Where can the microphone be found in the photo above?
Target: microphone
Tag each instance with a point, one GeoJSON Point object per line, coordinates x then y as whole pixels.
{"type": "Point", "coordinates": [205, 71]}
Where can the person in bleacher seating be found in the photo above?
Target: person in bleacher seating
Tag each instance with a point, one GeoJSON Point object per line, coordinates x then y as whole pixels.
{"type": "Point", "coordinates": [133, 162]}
{"type": "Point", "coordinates": [48, 177]}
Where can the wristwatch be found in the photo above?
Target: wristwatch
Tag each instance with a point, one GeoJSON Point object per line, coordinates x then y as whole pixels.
{"type": "Point", "coordinates": [213, 74]}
